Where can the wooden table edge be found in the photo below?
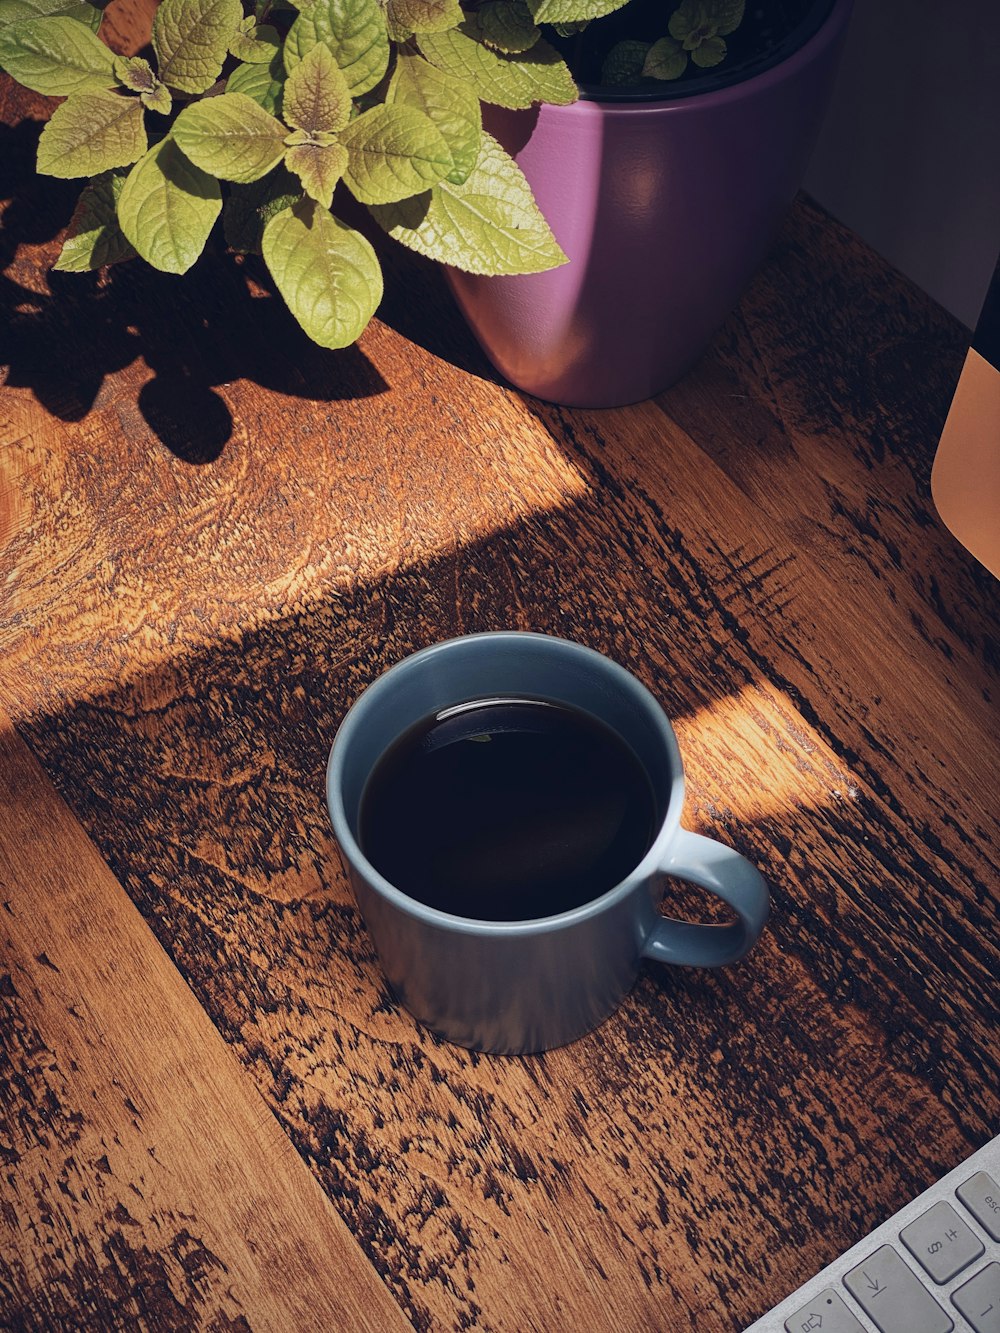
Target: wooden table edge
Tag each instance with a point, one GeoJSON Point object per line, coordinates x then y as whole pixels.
{"type": "Point", "coordinates": [128, 1033]}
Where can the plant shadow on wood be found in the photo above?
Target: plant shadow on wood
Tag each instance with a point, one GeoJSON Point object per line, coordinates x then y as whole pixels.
{"type": "Point", "coordinates": [415, 285]}
{"type": "Point", "coordinates": [63, 334]}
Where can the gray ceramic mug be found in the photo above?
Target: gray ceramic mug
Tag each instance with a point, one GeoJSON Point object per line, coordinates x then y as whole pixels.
{"type": "Point", "coordinates": [511, 987]}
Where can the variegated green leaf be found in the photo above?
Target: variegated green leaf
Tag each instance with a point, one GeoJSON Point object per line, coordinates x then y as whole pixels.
{"type": "Point", "coordinates": [263, 84]}
{"type": "Point", "coordinates": [452, 105]}
{"type": "Point", "coordinates": [394, 152]}
{"type": "Point", "coordinates": [727, 15]}
{"type": "Point", "coordinates": [539, 75]}
{"type": "Point", "coordinates": [137, 75]}
{"type": "Point", "coordinates": [12, 11]}
{"type": "Point", "coordinates": [316, 93]}
{"type": "Point", "coordinates": [423, 15]}
{"type": "Point", "coordinates": [191, 40]}
{"type": "Point", "coordinates": [319, 166]}
{"type": "Point", "coordinates": [572, 11]}
{"type": "Point", "coordinates": [507, 26]}
{"type": "Point", "coordinates": [710, 52]}
{"type": "Point", "coordinates": [327, 273]}
{"type": "Point", "coordinates": [90, 133]}
{"type": "Point", "coordinates": [254, 43]}
{"type": "Point", "coordinates": [56, 55]}
{"type": "Point", "coordinates": [231, 137]}
{"type": "Point", "coordinates": [168, 207]}
{"type": "Point", "coordinates": [355, 32]}
{"type": "Point", "coordinates": [94, 237]}
{"type": "Point", "coordinates": [665, 59]}
{"type": "Point", "coordinates": [624, 63]}
{"type": "Point", "coordinates": [490, 224]}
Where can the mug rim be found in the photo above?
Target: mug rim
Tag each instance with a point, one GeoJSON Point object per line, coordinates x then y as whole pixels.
{"type": "Point", "coordinates": [651, 864]}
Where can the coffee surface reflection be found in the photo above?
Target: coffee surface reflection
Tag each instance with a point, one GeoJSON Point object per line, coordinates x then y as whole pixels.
{"type": "Point", "coordinates": [507, 810]}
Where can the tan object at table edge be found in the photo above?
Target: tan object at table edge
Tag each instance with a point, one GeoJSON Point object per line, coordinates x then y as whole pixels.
{"type": "Point", "coordinates": [965, 481]}
{"type": "Point", "coordinates": [147, 1121]}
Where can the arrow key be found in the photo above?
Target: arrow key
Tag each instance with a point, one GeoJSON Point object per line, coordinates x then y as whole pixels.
{"type": "Point", "coordinates": [893, 1297]}
{"type": "Point", "coordinates": [825, 1313]}
{"type": "Point", "coordinates": [979, 1300]}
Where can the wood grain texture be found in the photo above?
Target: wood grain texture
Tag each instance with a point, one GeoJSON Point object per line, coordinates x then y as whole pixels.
{"type": "Point", "coordinates": [145, 1183]}
{"type": "Point", "coordinates": [217, 536]}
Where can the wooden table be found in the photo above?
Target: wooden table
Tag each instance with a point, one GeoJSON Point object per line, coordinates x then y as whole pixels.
{"type": "Point", "coordinates": [213, 536]}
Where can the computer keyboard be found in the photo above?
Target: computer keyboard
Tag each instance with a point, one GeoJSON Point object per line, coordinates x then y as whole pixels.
{"type": "Point", "coordinates": [933, 1267]}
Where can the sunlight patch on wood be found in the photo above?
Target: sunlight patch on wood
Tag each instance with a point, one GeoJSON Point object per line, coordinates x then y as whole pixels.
{"type": "Point", "coordinates": [175, 558]}
{"type": "Point", "coordinates": [751, 757]}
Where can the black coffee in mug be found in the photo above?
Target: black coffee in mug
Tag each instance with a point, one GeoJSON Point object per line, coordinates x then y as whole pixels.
{"type": "Point", "coordinates": [507, 810]}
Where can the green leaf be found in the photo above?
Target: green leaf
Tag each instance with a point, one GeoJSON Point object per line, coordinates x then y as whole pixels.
{"type": "Point", "coordinates": [395, 151]}
{"type": "Point", "coordinates": [248, 208]}
{"type": "Point", "coordinates": [697, 22]}
{"type": "Point", "coordinates": [690, 24]}
{"type": "Point", "coordinates": [263, 84]}
{"type": "Point", "coordinates": [57, 56]}
{"type": "Point", "coordinates": [137, 75]}
{"type": "Point", "coordinates": [90, 133]}
{"type": "Point", "coordinates": [711, 51]}
{"type": "Point", "coordinates": [191, 40]}
{"type": "Point", "coordinates": [159, 100]}
{"type": "Point", "coordinates": [452, 105]}
{"type": "Point", "coordinates": [257, 44]}
{"type": "Point", "coordinates": [539, 75]}
{"type": "Point", "coordinates": [319, 167]}
{"type": "Point", "coordinates": [507, 26]}
{"type": "Point", "coordinates": [665, 59]}
{"type": "Point", "coordinates": [231, 137]}
{"type": "Point", "coordinates": [397, 33]}
{"type": "Point", "coordinates": [355, 32]}
{"type": "Point", "coordinates": [681, 23]}
{"type": "Point", "coordinates": [491, 224]}
{"type": "Point", "coordinates": [727, 15]}
{"type": "Point", "coordinates": [423, 15]}
{"type": "Point", "coordinates": [12, 11]}
{"type": "Point", "coordinates": [327, 273]}
{"type": "Point", "coordinates": [168, 207]}
{"type": "Point", "coordinates": [625, 62]}
{"type": "Point", "coordinates": [316, 95]}
{"type": "Point", "coordinates": [572, 11]}
{"type": "Point", "coordinates": [94, 237]}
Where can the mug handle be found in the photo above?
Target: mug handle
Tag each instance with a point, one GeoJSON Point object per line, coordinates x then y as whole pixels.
{"type": "Point", "coordinates": [732, 878]}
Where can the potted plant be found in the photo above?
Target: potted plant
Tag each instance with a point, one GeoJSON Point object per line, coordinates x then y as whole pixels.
{"type": "Point", "coordinates": [266, 121]}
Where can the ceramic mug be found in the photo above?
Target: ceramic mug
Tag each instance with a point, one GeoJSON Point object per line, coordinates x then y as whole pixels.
{"type": "Point", "coordinates": [512, 987]}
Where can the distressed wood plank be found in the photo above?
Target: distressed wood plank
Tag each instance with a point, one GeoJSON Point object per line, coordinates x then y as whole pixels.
{"type": "Point", "coordinates": [220, 536]}
{"type": "Point", "coordinates": [144, 1182]}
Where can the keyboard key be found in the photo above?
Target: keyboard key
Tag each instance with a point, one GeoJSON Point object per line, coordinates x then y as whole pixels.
{"type": "Point", "coordinates": [981, 1195]}
{"type": "Point", "coordinates": [825, 1313]}
{"type": "Point", "coordinates": [979, 1300]}
{"type": "Point", "coordinates": [941, 1242]}
{"type": "Point", "coordinates": [893, 1297]}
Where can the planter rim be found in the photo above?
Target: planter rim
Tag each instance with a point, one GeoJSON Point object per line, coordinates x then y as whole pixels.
{"type": "Point", "coordinates": [637, 104]}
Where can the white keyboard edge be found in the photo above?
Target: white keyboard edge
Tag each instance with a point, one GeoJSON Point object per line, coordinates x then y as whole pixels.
{"type": "Point", "coordinates": [987, 1158]}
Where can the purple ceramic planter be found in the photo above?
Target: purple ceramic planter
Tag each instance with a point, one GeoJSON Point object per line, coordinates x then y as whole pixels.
{"type": "Point", "coordinates": [665, 210]}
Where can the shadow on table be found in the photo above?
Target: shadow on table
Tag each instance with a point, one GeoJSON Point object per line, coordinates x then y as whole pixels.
{"type": "Point", "coordinates": [201, 780]}
{"type": "Point", "coordinates": [200, 776]}
{"type": "Point", "coordinates": [63, 334]}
